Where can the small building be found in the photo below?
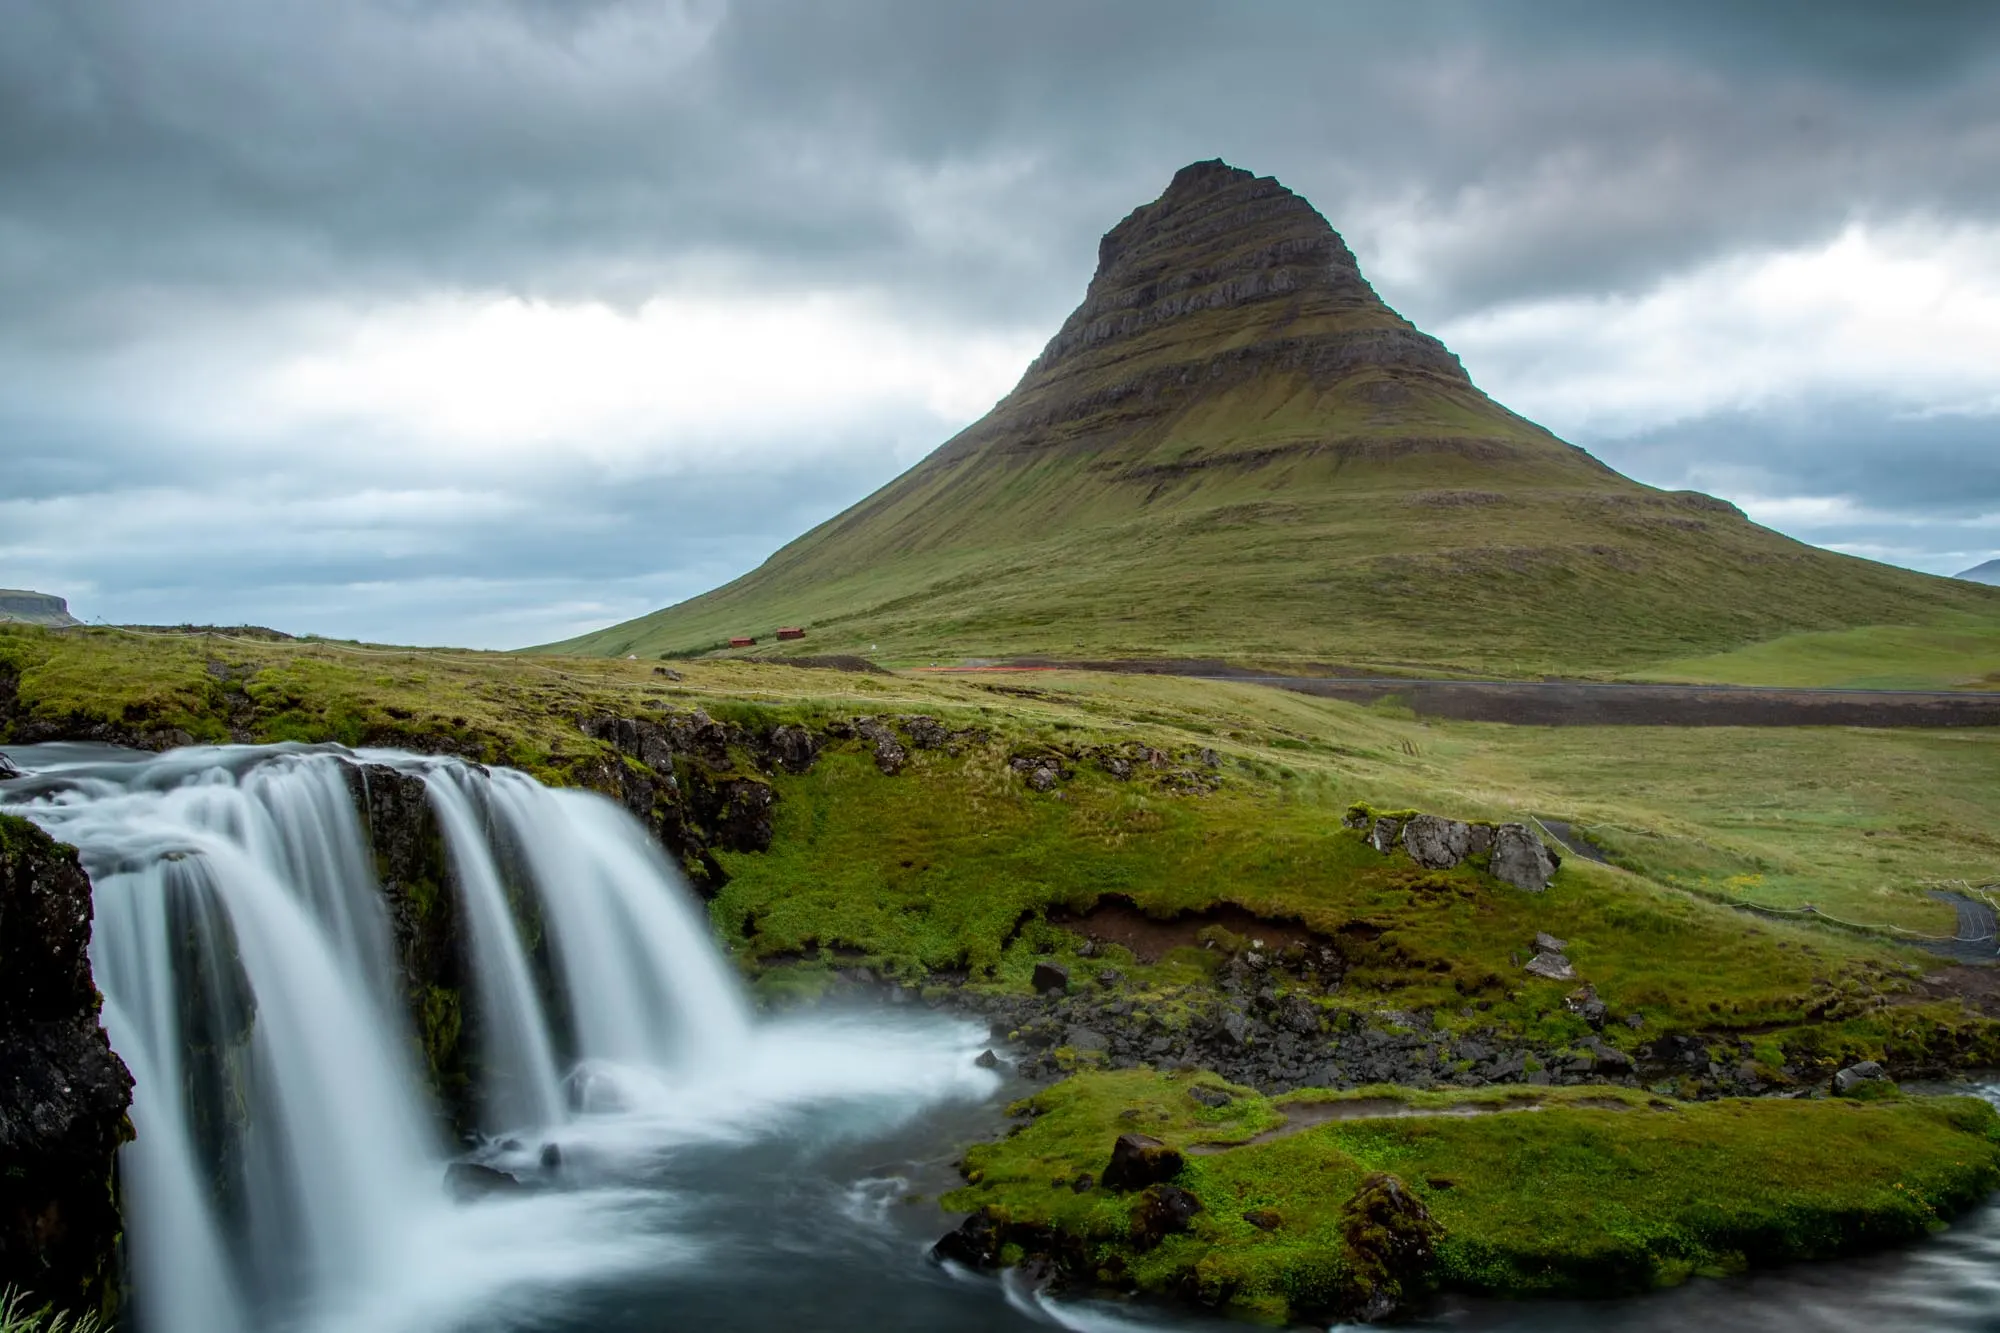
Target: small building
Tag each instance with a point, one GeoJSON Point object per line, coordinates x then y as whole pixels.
{"type": "Point", "coordinates": [743, 641]}
{"type": "Point", "coordinates": [791, 633]}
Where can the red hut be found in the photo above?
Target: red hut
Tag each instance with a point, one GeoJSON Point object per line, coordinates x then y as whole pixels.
{"type": "Point", "coordinates": [743, 641]}
{"type": "Point", "coordinates": [791, 633]}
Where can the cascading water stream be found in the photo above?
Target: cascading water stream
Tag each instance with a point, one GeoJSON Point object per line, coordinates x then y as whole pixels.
{"type": "Point", "coordinates": [289, 1162]}
{"type": "Point", "coordinates": [524, 1084]}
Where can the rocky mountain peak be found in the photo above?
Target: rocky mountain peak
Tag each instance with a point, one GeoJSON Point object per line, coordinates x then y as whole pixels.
{"type": "Point", "coordinates": [1222, 256]}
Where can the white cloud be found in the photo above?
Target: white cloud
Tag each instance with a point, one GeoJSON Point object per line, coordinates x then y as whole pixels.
{"type": "Point", "coordinates": [1908, 314]}
{"type": "Point", "coordinates": [674, 379]}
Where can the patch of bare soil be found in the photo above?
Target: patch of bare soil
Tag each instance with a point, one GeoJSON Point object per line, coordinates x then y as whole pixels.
{"type": "Point", "coordinates": [1977, 986]}
{"type": "Point", "coordinates": [1117, 920]}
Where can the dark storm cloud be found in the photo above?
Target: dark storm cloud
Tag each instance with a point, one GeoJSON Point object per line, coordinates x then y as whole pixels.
{"type": "Point", "coordinates": [179, 182]}
{"type": "Point", "coordinates": [563, 148]}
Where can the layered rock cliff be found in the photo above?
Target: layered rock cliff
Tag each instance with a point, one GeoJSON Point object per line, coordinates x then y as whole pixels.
{"type": "Point", "coordinates": [63, 1093]}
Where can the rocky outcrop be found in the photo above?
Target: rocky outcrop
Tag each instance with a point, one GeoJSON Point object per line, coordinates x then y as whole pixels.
{"type": "Point", "coordinates": [1510, 853]}
{"type": "Point", "coordinates": [684, 779]}
{"type": "Point", "coordinates": [63, 1093]}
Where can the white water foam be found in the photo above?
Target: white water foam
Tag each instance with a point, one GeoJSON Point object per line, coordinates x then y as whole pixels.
{"type": "Point", "coordinates": [288, 1170]}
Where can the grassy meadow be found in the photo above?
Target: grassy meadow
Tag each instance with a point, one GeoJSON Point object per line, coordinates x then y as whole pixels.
{"type": "Point", "coordinates": [1861, 823]}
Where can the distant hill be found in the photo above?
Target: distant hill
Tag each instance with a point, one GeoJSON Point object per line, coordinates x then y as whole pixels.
{"type": "Point", "coordinates": [1986, 573]}
{"type": "Point", "coordinates": [1234, 449]}
{"type": "Point", "coordinates": [34, 608]}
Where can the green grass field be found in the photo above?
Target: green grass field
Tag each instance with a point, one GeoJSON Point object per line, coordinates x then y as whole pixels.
{"type": "Point", "coordinates": [1861, 823]}
{"type": "Point", "coordinates": [1958, 652]}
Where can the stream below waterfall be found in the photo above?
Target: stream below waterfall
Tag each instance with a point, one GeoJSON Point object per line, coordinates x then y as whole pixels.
{"type": "Point", "coordinates": [681, 1163]}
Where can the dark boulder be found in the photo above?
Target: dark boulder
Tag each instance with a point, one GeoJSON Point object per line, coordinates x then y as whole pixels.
{"type": "Point", "coordinates": [975, 1243]}
{"type": "Point", "coordinates": [63, 1093]}
{"type": "Point", "coordinates": [1264, 1219]}
{"type": "Point", "coordinates": [791, 748]}
{"type": "Point", "coordinates": [1583, 1002]}
{"type": "Point", "coordinates": [1391, 1248]}
{"type": "Point", "coordinates": [890, 756]}
{"type": "Point", "coordinates": [1849, 1081]}
{"type": "Point", "coordinates": [1050, 977]}
{"type": "Point", "coordinates": [986, 1060]}
{"type": "Point", "coordinates": [1162, 1211]}
{"type": "Point", "coordinates": [1139, 1160]}
{"type": "Point", "coordinates": [926, 733]}
{"type": "Point", "coordinates": [7, 769]}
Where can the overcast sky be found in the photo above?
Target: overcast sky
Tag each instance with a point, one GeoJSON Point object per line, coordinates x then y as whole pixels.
{"type": "Point", "coordinates": [487, 323]}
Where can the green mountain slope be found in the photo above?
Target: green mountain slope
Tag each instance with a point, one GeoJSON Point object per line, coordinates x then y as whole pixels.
{"type": "Point", "coordinates": [1234, 449]}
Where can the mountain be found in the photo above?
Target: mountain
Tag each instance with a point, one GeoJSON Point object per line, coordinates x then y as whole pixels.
{"type": "Point", "coordinates": [1234, 449]}
{"type": "Point", "coordinates": [1986, 573]}
{"type": "Point", "coordinates": [34, 608]}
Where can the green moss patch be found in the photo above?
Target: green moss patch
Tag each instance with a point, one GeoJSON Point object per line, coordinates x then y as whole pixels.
{"type": "Point", "coordinates": [1576, 1191]}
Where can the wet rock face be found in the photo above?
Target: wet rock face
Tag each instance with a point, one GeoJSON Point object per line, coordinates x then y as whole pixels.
{"type": "Point", "coordinates": [425, 925]}
{"type": "Point", "coordinates": [685, 787]}
{"type": "Point", "coordinates": [63, 1094]}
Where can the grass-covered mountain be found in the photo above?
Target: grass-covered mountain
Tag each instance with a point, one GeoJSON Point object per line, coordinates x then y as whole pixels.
{"type": "Point", "coordinates": [1233, 448]}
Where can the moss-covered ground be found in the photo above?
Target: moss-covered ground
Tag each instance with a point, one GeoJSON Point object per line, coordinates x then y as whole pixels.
{"type": "Point", "coordinates": [957, 871]}
{"type": "Point", "coordinates": [1585, 1191]}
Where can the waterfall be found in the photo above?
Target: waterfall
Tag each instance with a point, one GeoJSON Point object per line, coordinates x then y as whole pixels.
{"type": "Point", "coordinates": [288, 1156]}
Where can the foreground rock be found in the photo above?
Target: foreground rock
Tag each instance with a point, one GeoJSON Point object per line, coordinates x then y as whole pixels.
{"type": "Point", "coordinates": [1139, 1160]}
{"type": "Point", "coordinates": [63, 1094]}
{"type": "Point", "coordinates": [1859, 1079]}
{"type": "Point", "coordinates": [1390, 1242]}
